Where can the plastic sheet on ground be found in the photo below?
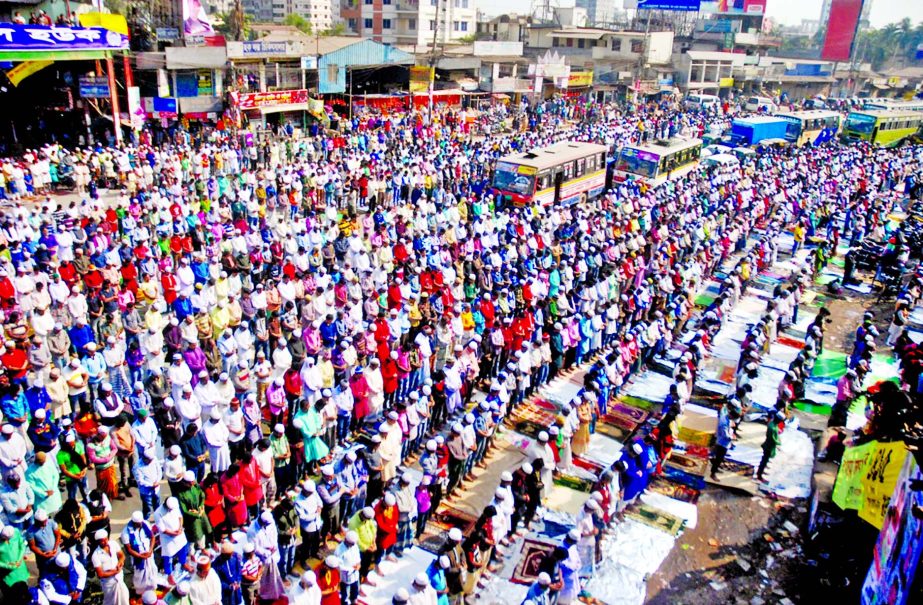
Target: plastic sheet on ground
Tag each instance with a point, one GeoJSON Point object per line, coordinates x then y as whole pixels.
{"type": "Point", "coordinates": [789, 473]}
{"type": "Point", "coordinates": [396, 575]}
{"type": "Point", "coordinates": [780, 356]}
{"type": "Point", "coordinates": [820, 392]}
{"type": "Point", "coordinates": [615, 584]}
{"type": "Point", "coordinates": [604, 450]}
{"type": "Point", "coordinates": [724, 347]}
{"type": "Point", "coordinates": [677, 508]}
{"type": "Point", "coordinates": [766, 387]}
{"type": "Point", "coordinates": [500, 591]}
{"type": "Point", "coordinates": [651, 386]}
{"type": "Point", "coordinates": [637, 546]}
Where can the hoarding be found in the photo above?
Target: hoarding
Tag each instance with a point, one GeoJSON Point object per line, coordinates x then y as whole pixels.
{"type": "Point", "coordinates": [15, 37]}
{"type": "Point", "coordinates": [420, 78]}
{"type": "Point", "coordinates": [195, 19]}
{"type": "Point", "coordinates": [667, 5]}
{"type": "Point", "coordinates": [255, 100]}
{"type": "Point", "coordinates": [92, 87]}
{"type": "Point", "coordinates": [841, 29]}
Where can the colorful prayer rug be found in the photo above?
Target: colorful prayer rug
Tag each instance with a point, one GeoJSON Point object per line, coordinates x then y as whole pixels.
{"type": "Point", "coordinates": [636, 414]}
{"type": "Point", "coordinates": [677, 491]}
{"type": "Point", "coordinates": [533, 554]}
{"type": "Point", "coordinates": [588, 465]}
{"type": "Point", "coordinates": [579, 484]}
{"type": "Point", "coordinates": [658, 519]}
{"type": "Point", "coordinates": [437, 529]}
{"type": "Point", "coordinates": [638, 402]}
{"type": "Point", "coordinates": [688, 464]}
{"type": "Point", "coordinates": [694, 437]}
{"type": "Point", "coordinates": [684, 478]}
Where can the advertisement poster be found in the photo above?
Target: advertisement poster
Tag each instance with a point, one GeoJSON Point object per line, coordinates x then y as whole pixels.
{"type": "Point", "coordinates": [15, 37]}
{"type": "Point", "coordinates": [195, 19]}
{"type": "Point", "coordinates": [841, 29]}
{"type": "Point", "coordinates": [866, 479]}
{"type": "Point", "coordinates": [254, 100]}
{"type": "Point", "coordinates": [900, 544]}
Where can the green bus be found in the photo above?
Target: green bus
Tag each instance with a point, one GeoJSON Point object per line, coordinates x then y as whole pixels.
{"type": "Point", "coordinates": [885, 127]}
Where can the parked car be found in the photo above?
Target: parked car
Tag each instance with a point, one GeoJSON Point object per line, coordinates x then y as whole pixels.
{"type": "Point", "coordinates": [761, 104]}
{"type": "Point", "coordinates": [699, 102]}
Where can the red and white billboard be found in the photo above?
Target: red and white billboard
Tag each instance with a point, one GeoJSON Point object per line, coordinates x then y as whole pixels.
{"type": "Point", "coordinates": [841, 29]}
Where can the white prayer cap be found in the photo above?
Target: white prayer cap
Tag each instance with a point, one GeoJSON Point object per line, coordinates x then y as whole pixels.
{"type": "Point", "coordinates": [332, 561]}
{"type": "Point", "coordinates": [215, 414]}
{"type": "Point", "coordinates": [455, 535]}
{"type": "Point", "coordinates": [506, 476]}
{"type": "Point", "coordinates": [636, 448]}
{"type": "Point", "coordinates": [172, 503]}
{"type": "Point", "coordinates": [149, 597]}
{"type": "Point", "coordinates": [40, 414]}
{"type": "Point", "coordinates": [100, 534]}
{"type": "Point", "coordinates": [189, 477]}
{"type": "Point", "coordinates": [182, 588]}
{"type": "Point", "coordinates": [543, 436]}
{"type": "Point", "coordinates": [137, 517]}
{"type": "Point", "coordinates": [309, 577]}
{"type": "Point", "coordinates": [41, 515]}
{"type": "Point", "coordinates": [421, 580]}
{"type": "Point", "coordinates": [175, 450]}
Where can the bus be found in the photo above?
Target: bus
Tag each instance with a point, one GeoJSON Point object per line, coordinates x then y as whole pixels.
{"type": "Point", "coordinates": [812, 127]}
{"type": "Point", "coordinates": [658, 162]}
{"type": "Point", "coordinates": [893, 104]}
{"type": "Point", "coordinates": [564, 173]}
{"type": "Point", "coordinates": [885, 127]}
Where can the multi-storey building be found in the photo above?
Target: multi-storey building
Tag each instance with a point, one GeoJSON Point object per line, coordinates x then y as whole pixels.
{"type": "Point", "coordinates": [410, 22]}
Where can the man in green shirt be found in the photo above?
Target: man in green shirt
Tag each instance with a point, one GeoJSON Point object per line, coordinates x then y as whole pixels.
{"type": "Point", "coordinates": [771, 444]}
{"type": "Point", "coordinates": [363, 523]}
{"type": "Point", "coordinates": [192, 505]}
{"type": "Point", "coordinates": [72, 460]}
{"type": "Point", "coordinates": [13, 571]}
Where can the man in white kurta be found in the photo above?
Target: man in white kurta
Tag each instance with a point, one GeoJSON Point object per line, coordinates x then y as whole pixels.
{"type": "Point", "coordinates": [306, 591]}
{"type": "Point", "coordinates": [205, 585]}
{"type": "Point", "coordinates": [390, 449]}
{"type": "Point", "coordinates": [108, 561]}
{"type": "Point", "coordinates": [216, 435]}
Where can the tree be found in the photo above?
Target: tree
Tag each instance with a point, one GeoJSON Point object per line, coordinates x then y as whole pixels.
{"type": "Point", "coordinates": [298, 22]}
{"type": "Point", "coordinates": [338, 29]}
{"type": "Point", "coordinates": [234, 25]}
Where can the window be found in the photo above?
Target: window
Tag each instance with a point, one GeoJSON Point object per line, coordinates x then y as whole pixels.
{"type": "Point", "coordinates": [555, 43]}
{"type": "Point", "coordinates": [456, 26]}
{"type": "Point", "coordinates": [351, 23]}
{"type": "Point", "coordinates": [580, 43]}
{"type": "Point", "coordinates": [617, 45]}
{"type": "Point", "coordinates": [464, 26]}
{"type": "Point", "coordinates": [570, 42]}
{"type": "Point", "coordinates": [411, 24]}
{"type": "Point", "coordinates": [637, 46]}
{"type": "Point", "coordinates": [568, 169]}
{"type": "Point", "coordinates": [367, 23]}
{"type": "Point", "coordinates": [386, 23]}
{"type": "Point", "coordinates": [368, 1]}
{"type": "Point", "coordinates": [581, 167]}
{"type": "Point", "coordinates": [386, 1]}
{"type": "Point", "coordinates": [432, 25]}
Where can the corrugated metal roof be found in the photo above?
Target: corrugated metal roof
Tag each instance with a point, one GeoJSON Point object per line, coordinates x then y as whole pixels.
{"type": "Point", "coordinates": [362, 53]}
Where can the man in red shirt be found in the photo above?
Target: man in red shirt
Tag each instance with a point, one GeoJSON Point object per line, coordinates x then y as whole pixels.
{"type": "Point", "coordinates": [328, 580]}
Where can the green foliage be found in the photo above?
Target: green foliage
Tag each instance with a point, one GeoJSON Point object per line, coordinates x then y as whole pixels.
{"type": "Point", "coordinates": [889, 44]}
{"type": "Point", "coordinates": [298, 22]}
{"type": "Point", "coordinates": [338, 29]}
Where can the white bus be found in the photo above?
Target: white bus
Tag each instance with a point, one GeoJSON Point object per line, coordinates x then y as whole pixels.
{"type": "Point", "coordinates": [657, 162]}
{"type": "Point", "coordinates": [563, 173]}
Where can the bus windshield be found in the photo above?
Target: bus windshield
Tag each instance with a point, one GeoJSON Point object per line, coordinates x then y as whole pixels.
{"type": "Point", "coordinates": [794, 128]}
{"type": "Point", "coordinates": [508, 178]}
{"type": "Point", "coordinates": [857, 122]}
{"type": "Point", "coordinates": [636, 161]}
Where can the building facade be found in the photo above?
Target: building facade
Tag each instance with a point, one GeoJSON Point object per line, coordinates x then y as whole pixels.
{"type": "Point", "coordinates": [411, 22]}
{"type": "Point", "coordinates": [599, 13]}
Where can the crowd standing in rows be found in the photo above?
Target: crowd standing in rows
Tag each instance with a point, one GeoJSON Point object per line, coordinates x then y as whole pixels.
{"type": "Point", "coordinates": [262, 340]}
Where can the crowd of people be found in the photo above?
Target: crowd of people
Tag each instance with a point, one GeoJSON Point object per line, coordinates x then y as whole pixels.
{"type": "Point", "coordinates": [262, 340]}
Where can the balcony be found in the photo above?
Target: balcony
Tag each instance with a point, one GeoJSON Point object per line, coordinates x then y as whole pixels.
{"type": "Point", "coordinates": [407, 6]}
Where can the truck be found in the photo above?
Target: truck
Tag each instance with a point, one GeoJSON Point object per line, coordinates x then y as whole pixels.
{"type": "Point", "coordinates": [747, 132]}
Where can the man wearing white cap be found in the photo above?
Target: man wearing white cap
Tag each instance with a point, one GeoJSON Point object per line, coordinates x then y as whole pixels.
{"type": "Point", "coordinates": [173, 542]}
{"type": "Point", "coordinates": [390, 448]}
{"type": "Point", "coordinates": [64, 581]}
{"type": "Point", "coordinates": [541, 450]}
{"type": "Point", "coordinates": [305, 591]}
{"type": "Point", "coordinates": [350, 561]}
{"type": "Point", "coordinates": [216, 435]}
{"type": "Point", "coordinates": [138, 539]}
{"type": "Point", "coordinates": [13, 451]}
{"type": "Point", "coordinates": [264, 536]}
{"type": "Point", "coordinates": [421, 592]}
{"type": "Point", "coordinates": [108, 561]}
{"type": "Point", "coordinates": [205, 585]}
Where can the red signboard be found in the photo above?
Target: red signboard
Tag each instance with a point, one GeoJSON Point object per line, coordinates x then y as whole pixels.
{"type": "Point", "coordinates": [841, 29]}
{"type": "Point", "coordinates": [254, 100]}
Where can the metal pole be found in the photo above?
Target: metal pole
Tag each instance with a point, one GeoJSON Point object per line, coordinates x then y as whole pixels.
{"type": "Point", "coordinates": [114, 100]}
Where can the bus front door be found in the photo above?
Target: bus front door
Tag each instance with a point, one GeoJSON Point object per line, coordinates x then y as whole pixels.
{"type": "Point", "coordinates": [558, 181]}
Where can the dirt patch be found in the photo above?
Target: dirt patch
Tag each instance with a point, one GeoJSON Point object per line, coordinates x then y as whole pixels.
{"type": "Point", "coordinates": [743, 550]}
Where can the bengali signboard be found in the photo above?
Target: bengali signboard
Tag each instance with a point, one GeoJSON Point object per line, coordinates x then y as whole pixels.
{"type": "Point", "coordinates": [578, 79]}
{"type": "Point", "coordinates": [900, 544]}
{"type": "Point", "coordinates": [94, 87]}
{"type": "Point", "coordinates": [866, 479]}
{"type": "Point", "coordinates": [167, 34]}
{"type": "Point", "coordinates": [255, 100]}
{"type": "Point", "coordinates": [15, 37]}
{"type": "Point", "coordinates": [667, 5]}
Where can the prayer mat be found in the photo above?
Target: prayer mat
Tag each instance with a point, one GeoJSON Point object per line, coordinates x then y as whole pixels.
{"type": "Point", "coordinates": [694, 437]}
{"type": "Point", "coordinates": [829, 366]}
{"type": "Point", "coordinates": [658, 519]}
{"type": "Point", "coordinates": [697, 451]}
{"type": "Point", "coordinates": [688, 464]}
{"type": "Point", "coordinates": [544, 404]}
{"type": "Point", "coordinates": [677, 491]}
{"type": "Point", "coordinates": [575, 483]}
{"type": "Point", "coordinates": [565, 500]}
{"type": "Point", "coordinates": [836, 261]}
{"type": "Point", "coordinates": [684, 478]}
{"type": "Point", "coordinates": [736, 475]}
{"type": "Point", "coordinates": [795, 343]}
{"type": "Point", "coordinates": [813, 408]}
{"type": "Point", "coordinates": [637, 402]}
{"type": "Point", "coordinates": [529, 428]}
{"type": "Point", "coordinates": [621, 422]}
{"type": "Point", "coordinates": [704, 299]}
{"type": "Point", "coordinates": [553, 529]}
{"type": "Point", "coordinates": [615, 432]}
{"type": "Point", "coordinates": [438, 526]}
{"type": "Point", "coordinates": [533, 555]}
{"type": "Point", "coordinates": [588, 465]}
{"type": "Point", "coordinates": [636, 414]}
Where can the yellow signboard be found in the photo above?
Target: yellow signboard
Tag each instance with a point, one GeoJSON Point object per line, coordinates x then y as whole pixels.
{"type": "Point", "coordinates": [726, 82]}
{"type": "Point", "coordinates": [420, 78]}
{"type": "Point", "coordinates": [866, 479]}
{"type": "Point", "coordinates": [25, 69]}
{"type": "Point", "coordinates": [580, 78]}
{"type": "Point", "coordinates": [527, 170]}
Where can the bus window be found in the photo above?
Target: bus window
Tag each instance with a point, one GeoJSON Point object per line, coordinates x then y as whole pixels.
{"type": "Point", "coordinates": [508, 178]}
{"type": "Point", "coordinates": [580, 169]}
{"type": "Point", "coordinates": [602, 160]}
{"type": "Point", "coordinates": [544, 180]}
{"type": "Point", "coordinates": [568, 170]}
{"type": "Point", "coordinates": [641, 163]}
{"type": "Point", "coordinates": [591, 164]}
